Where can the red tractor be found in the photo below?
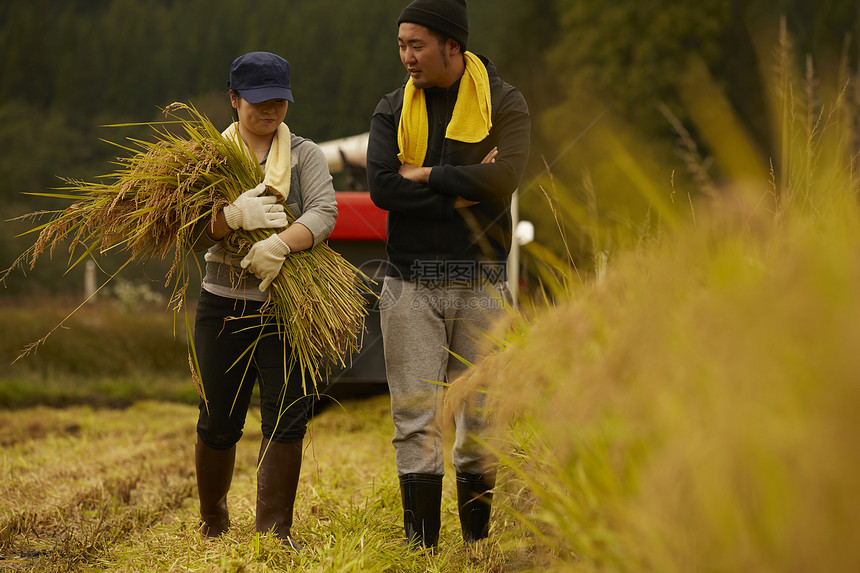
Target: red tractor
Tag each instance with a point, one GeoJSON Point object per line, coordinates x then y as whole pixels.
{"type": "Point", "coordinates": [359, 236]}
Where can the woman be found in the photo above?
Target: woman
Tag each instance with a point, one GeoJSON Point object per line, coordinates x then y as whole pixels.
{"type": "Point", "coordinates": [228, 320]}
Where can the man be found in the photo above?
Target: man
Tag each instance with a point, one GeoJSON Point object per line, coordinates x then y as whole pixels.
{"type": "Point", "coordinates": [446, 152]}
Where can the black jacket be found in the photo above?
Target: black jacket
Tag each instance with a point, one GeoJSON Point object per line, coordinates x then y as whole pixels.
{"type": "Point", "coordinates": [427, 238]}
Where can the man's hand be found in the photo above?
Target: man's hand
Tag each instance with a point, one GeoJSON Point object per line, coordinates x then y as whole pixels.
{"type": "Point", "coordinates": [422, 175]}
{"type": "Point", "coordinates": [251, 211]}
{"type": "Point", "coordinates": [459, 202]}
{"type": "Point", "coordinates": [413, 173]}
{"type": "Point", "coordinates": [266, 258]}
{"type": "Point", "coordinates": [491, 156]}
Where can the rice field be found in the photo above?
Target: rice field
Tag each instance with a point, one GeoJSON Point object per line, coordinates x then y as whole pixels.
{"type": "Point", "coordinates": [696, 410]}
{"type": "Point", "coordinates": [694, 407]}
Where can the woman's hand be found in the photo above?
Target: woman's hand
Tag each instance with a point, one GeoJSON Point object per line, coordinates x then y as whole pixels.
{"type": "Point", "coordinates": [251, 211]}
{"type": "Point", "coordinates": [266, 258]}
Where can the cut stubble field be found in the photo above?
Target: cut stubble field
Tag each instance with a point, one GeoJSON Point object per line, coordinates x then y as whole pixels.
{"type": "Point", "coordinates": [113, 489]}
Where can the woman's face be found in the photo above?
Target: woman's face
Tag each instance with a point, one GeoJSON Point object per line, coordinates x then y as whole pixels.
{"type": "Point", "coordinates": [262, 118]}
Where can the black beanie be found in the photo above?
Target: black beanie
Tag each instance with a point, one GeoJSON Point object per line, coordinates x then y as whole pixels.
{"type": "Point", "coordinates": [448, 17]}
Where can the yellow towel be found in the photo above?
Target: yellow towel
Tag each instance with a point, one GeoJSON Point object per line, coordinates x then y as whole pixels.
{"type": "Point", "coordinates": [470, 122]}
{"type": "Point", "coordinates": [278, 169]}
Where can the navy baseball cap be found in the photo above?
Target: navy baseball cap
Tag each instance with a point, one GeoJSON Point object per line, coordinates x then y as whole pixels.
{"type": "Point", "coordinates": [261, 76]}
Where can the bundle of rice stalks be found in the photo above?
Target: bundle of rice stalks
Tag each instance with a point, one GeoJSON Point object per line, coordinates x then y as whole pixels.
{"type": "Point", "coordinates": [161, 198]}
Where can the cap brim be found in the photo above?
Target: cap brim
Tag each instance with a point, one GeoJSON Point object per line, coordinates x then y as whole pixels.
{"type": "Point", "coordinates": [260, 95]}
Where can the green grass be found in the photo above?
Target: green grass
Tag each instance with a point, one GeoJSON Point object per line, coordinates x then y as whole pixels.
{"type": "Point", "coordinates": [63, 390]}
{"type": "Point", "coordinates": [106, 354]}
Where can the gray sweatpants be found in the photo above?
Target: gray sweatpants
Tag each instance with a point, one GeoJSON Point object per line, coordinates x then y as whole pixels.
{"type": "Point", "coordinates": [425, 328]}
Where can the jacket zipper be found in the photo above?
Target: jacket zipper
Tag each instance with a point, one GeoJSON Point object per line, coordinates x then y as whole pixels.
{"type": "Point", "coordinates": [442, 162]}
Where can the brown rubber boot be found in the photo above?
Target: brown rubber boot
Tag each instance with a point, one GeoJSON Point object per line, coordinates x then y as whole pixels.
{"type": "Point", "coordinates": [277, 482]}
{"type": "Point", "coordinates": [214, 476]}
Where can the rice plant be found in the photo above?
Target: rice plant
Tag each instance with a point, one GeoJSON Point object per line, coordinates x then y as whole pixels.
{"type": "Point", "coordinates": [160, 199]}
{"type": "Point", "coordinates": [695, 410]}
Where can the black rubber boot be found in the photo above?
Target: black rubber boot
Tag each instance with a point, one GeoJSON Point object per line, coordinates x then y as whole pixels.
{"type": "Point", "coordinates": [277, 483]}
{"type": "Point", "coordinates": [422, 504]}
{"type": "Point", "coordinates": [474, 500]}
{"type": "Point", "coordinates": [214, 470]}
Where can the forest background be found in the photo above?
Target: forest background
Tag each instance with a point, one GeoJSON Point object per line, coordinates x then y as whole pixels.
{"type": "Point", "coordinates": [589, 71]}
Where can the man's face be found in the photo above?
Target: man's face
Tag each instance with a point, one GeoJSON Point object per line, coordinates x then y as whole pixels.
{"type": "Point", "coordinates": [425, 59]}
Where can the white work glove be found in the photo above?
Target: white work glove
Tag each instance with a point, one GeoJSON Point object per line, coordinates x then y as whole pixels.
{"type": "Point", "coordinates": [266, 258]}
{"type": "Point", "coordinates": [250, 211]}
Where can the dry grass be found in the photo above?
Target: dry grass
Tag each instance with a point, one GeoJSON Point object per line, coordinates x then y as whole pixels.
{"type": "Point", "coordinates": [78, 481]}
{"type": "Point", "coordinates": [105, 489]}
{"type": "Point", "coordinates": [700, 414]}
